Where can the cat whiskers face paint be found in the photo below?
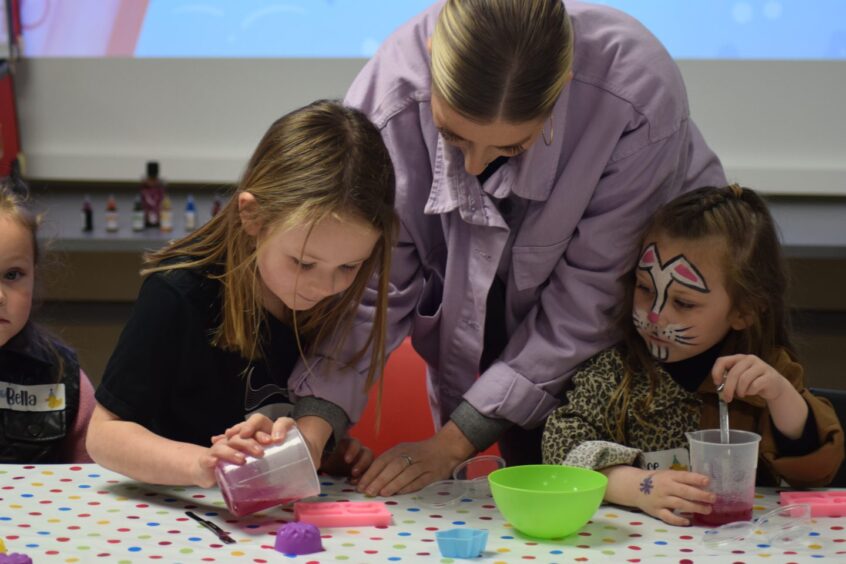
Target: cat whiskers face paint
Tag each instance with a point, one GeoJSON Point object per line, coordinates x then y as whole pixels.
{"type": "Point", "coordinates": [659, 338]}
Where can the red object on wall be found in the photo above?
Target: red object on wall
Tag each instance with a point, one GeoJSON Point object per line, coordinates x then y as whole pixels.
{"type": "Point", "coordinates": [9, 142]}
{"type": "Point", "coordinates": [406, 415]}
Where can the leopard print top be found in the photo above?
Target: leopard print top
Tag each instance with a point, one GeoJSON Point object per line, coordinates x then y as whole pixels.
{"type": "Point", "coordinates": [576, 433]}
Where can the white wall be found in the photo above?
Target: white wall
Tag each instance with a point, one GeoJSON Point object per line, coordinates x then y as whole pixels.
{"type": "Point", "coordinates": [779, 126]}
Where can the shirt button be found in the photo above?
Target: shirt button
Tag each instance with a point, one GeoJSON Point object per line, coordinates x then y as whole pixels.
{"type": "Point", "coordinates": [483, 254]}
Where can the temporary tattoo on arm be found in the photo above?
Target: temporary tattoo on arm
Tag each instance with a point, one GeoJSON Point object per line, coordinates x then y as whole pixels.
{"type": "Point", "coordinates": [646, 485]}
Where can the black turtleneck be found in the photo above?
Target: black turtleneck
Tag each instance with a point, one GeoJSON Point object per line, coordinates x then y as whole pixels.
{"type": "Point", "coordinates": [691, 372]}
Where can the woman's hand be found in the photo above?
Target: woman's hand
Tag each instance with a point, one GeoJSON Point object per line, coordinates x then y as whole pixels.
{"type": "Point", "coordinates": [350, 458]}
{"type": "Point", "coordinates": [664, 491]}
{"type": "Point", "coordinates": [408, 467]}
{"type": "Point", "coordinates": [747, 375]}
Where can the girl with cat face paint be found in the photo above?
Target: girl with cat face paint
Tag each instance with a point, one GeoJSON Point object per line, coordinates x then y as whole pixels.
{"type": "Point", "coordinates": [681, 306]}
{"type": "Point", "coordinates": [704, 305]}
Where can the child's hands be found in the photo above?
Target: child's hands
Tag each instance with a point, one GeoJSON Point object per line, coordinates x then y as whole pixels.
{"type": "Point", "coordinates": [203, 470]}
{"type": "Point", "coordinates": [249, 437]}
{"type": "Point", "coordinates": [350, 458]}
{"type": "Point", "coordinates": [747, 375]}
{"type": "Point", "coordinates": [663, 491]}
{"type": "Point", "coordinates": [260, 428]}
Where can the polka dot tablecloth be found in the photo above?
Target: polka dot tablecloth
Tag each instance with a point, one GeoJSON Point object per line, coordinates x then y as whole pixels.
{"type": "Point", "coordinates": [84, 513]}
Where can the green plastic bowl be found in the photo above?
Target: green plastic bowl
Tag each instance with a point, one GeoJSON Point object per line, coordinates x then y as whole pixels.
{"type": "Point", "coordinates": [547, 501]}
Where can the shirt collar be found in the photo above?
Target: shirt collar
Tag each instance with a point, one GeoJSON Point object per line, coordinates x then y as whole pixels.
{"type": "Point", "coordinates": [530, 175]}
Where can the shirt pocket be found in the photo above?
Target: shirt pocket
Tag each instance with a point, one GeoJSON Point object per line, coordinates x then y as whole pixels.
{"type": "Point", "coordinates": [34, 426]}
{"type": "Point", "coordinates": [429, 307]}
{"type": "Point", "coordinates": [533, 265]}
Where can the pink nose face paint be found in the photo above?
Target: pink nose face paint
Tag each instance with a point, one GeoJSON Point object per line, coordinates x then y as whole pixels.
{"type": "Point", "coordinates": [659, 338]}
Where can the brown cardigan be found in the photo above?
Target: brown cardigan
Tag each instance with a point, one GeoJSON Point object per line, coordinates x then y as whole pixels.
{"type": "Point", "coordinates": [816, 468]}
{"type": "Point", "coordinates": [576, 432]}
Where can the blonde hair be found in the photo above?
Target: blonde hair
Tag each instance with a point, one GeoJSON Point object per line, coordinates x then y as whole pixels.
{"type": "Point", "coordinates": [15, 203]}
{"type": "Point", "coordinates": [318, 161]}
{"type": "Point", "coordinates": [501, 59]}
{"type": "Point", "coordinates": [755, 279]}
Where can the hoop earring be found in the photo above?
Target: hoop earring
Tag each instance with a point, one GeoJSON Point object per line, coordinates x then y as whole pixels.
{"type": "Point", "coordinates": [549, 141]}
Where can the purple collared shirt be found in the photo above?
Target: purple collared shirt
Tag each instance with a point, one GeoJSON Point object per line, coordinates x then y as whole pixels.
{"type": "Point", "coordinates": [623, 144]}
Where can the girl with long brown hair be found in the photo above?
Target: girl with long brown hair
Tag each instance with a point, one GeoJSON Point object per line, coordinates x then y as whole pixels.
{"type": "Point", "coordinates": [225, 313]}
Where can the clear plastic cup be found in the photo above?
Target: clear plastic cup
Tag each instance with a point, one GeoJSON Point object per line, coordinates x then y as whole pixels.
{"type": "Point", "coordinates": [283, 475]}
{"type": "Point", "coordinates": [731, 468]}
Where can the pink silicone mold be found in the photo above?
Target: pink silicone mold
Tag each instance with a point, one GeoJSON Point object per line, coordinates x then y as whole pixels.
{"type": "Point", "coordinates": [823, 504]}
{"type": "Point", "coordinates": [343, 514]}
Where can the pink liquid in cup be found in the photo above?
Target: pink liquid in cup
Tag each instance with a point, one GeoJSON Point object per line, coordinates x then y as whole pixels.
{"type": "Point", "coordinates": [254, 501]}
{"type": "Point", "coordinates": [731, 470]}
{"type": "Point", "coordinates": [283, 475]}
{"type": "Point", "coordinates": [724, 512]}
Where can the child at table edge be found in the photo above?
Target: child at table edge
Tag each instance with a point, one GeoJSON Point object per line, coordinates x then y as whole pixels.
{"type": "Point", "coordinates": [705, 304]}
{"type": "Point", "coordinates": [46, 420]}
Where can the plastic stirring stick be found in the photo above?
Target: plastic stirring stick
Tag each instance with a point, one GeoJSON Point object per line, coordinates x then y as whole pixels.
{"type": "Point", "coordinates": [724, 415]}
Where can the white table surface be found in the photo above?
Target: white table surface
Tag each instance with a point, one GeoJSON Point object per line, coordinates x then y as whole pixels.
{"type": "Point", "coordinates": [84, 513]}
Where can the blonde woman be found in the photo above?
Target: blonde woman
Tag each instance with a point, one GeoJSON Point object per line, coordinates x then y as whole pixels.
{"type": "Point", "coordinates": [531, 143]}
{"type": "Point", "coordinates": [225, 313]}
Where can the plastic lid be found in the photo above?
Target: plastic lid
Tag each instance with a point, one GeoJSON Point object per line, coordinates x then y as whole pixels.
{"type": "Point", "coordinates": [782, 527]}
{"type": "Point", "coordinates": [470, 479]}
{"type": "Point", "coordinates": [727, 535]}
{"type": "Point", "coordinates": [786, 525]}
{"type": "Point", "coordinates": [442, 494]}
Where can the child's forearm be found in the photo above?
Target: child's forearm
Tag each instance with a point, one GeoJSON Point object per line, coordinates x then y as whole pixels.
{"type": "Point", "coordinates": [789, 412]}
{"type": "Point", "coordinates": [136, 452]}
{"type": "Point", "coordinates": [624, 484]}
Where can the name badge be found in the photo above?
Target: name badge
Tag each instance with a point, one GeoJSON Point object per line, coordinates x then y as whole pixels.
{"type": "Point", "coordinates": [39, 397]}
{"type": "Point", "coordinates": [673, 459]}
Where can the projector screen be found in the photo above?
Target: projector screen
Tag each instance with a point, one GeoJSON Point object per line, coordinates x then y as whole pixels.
{"type": "Point", "coordinates": [108, 84]}
{"type": "Point", "coordinates": [692, 29]}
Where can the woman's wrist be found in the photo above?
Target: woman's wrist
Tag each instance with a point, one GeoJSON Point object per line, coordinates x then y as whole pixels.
{"type": "Point", "coordinates": [457, 446]}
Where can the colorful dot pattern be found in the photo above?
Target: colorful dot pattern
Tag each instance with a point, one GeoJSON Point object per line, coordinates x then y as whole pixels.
{"type": "Point", "coordinates": [83, 513]}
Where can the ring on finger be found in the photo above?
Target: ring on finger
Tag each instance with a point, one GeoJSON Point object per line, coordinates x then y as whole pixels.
{"type": "Point", "coordinates": [408, 460]}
